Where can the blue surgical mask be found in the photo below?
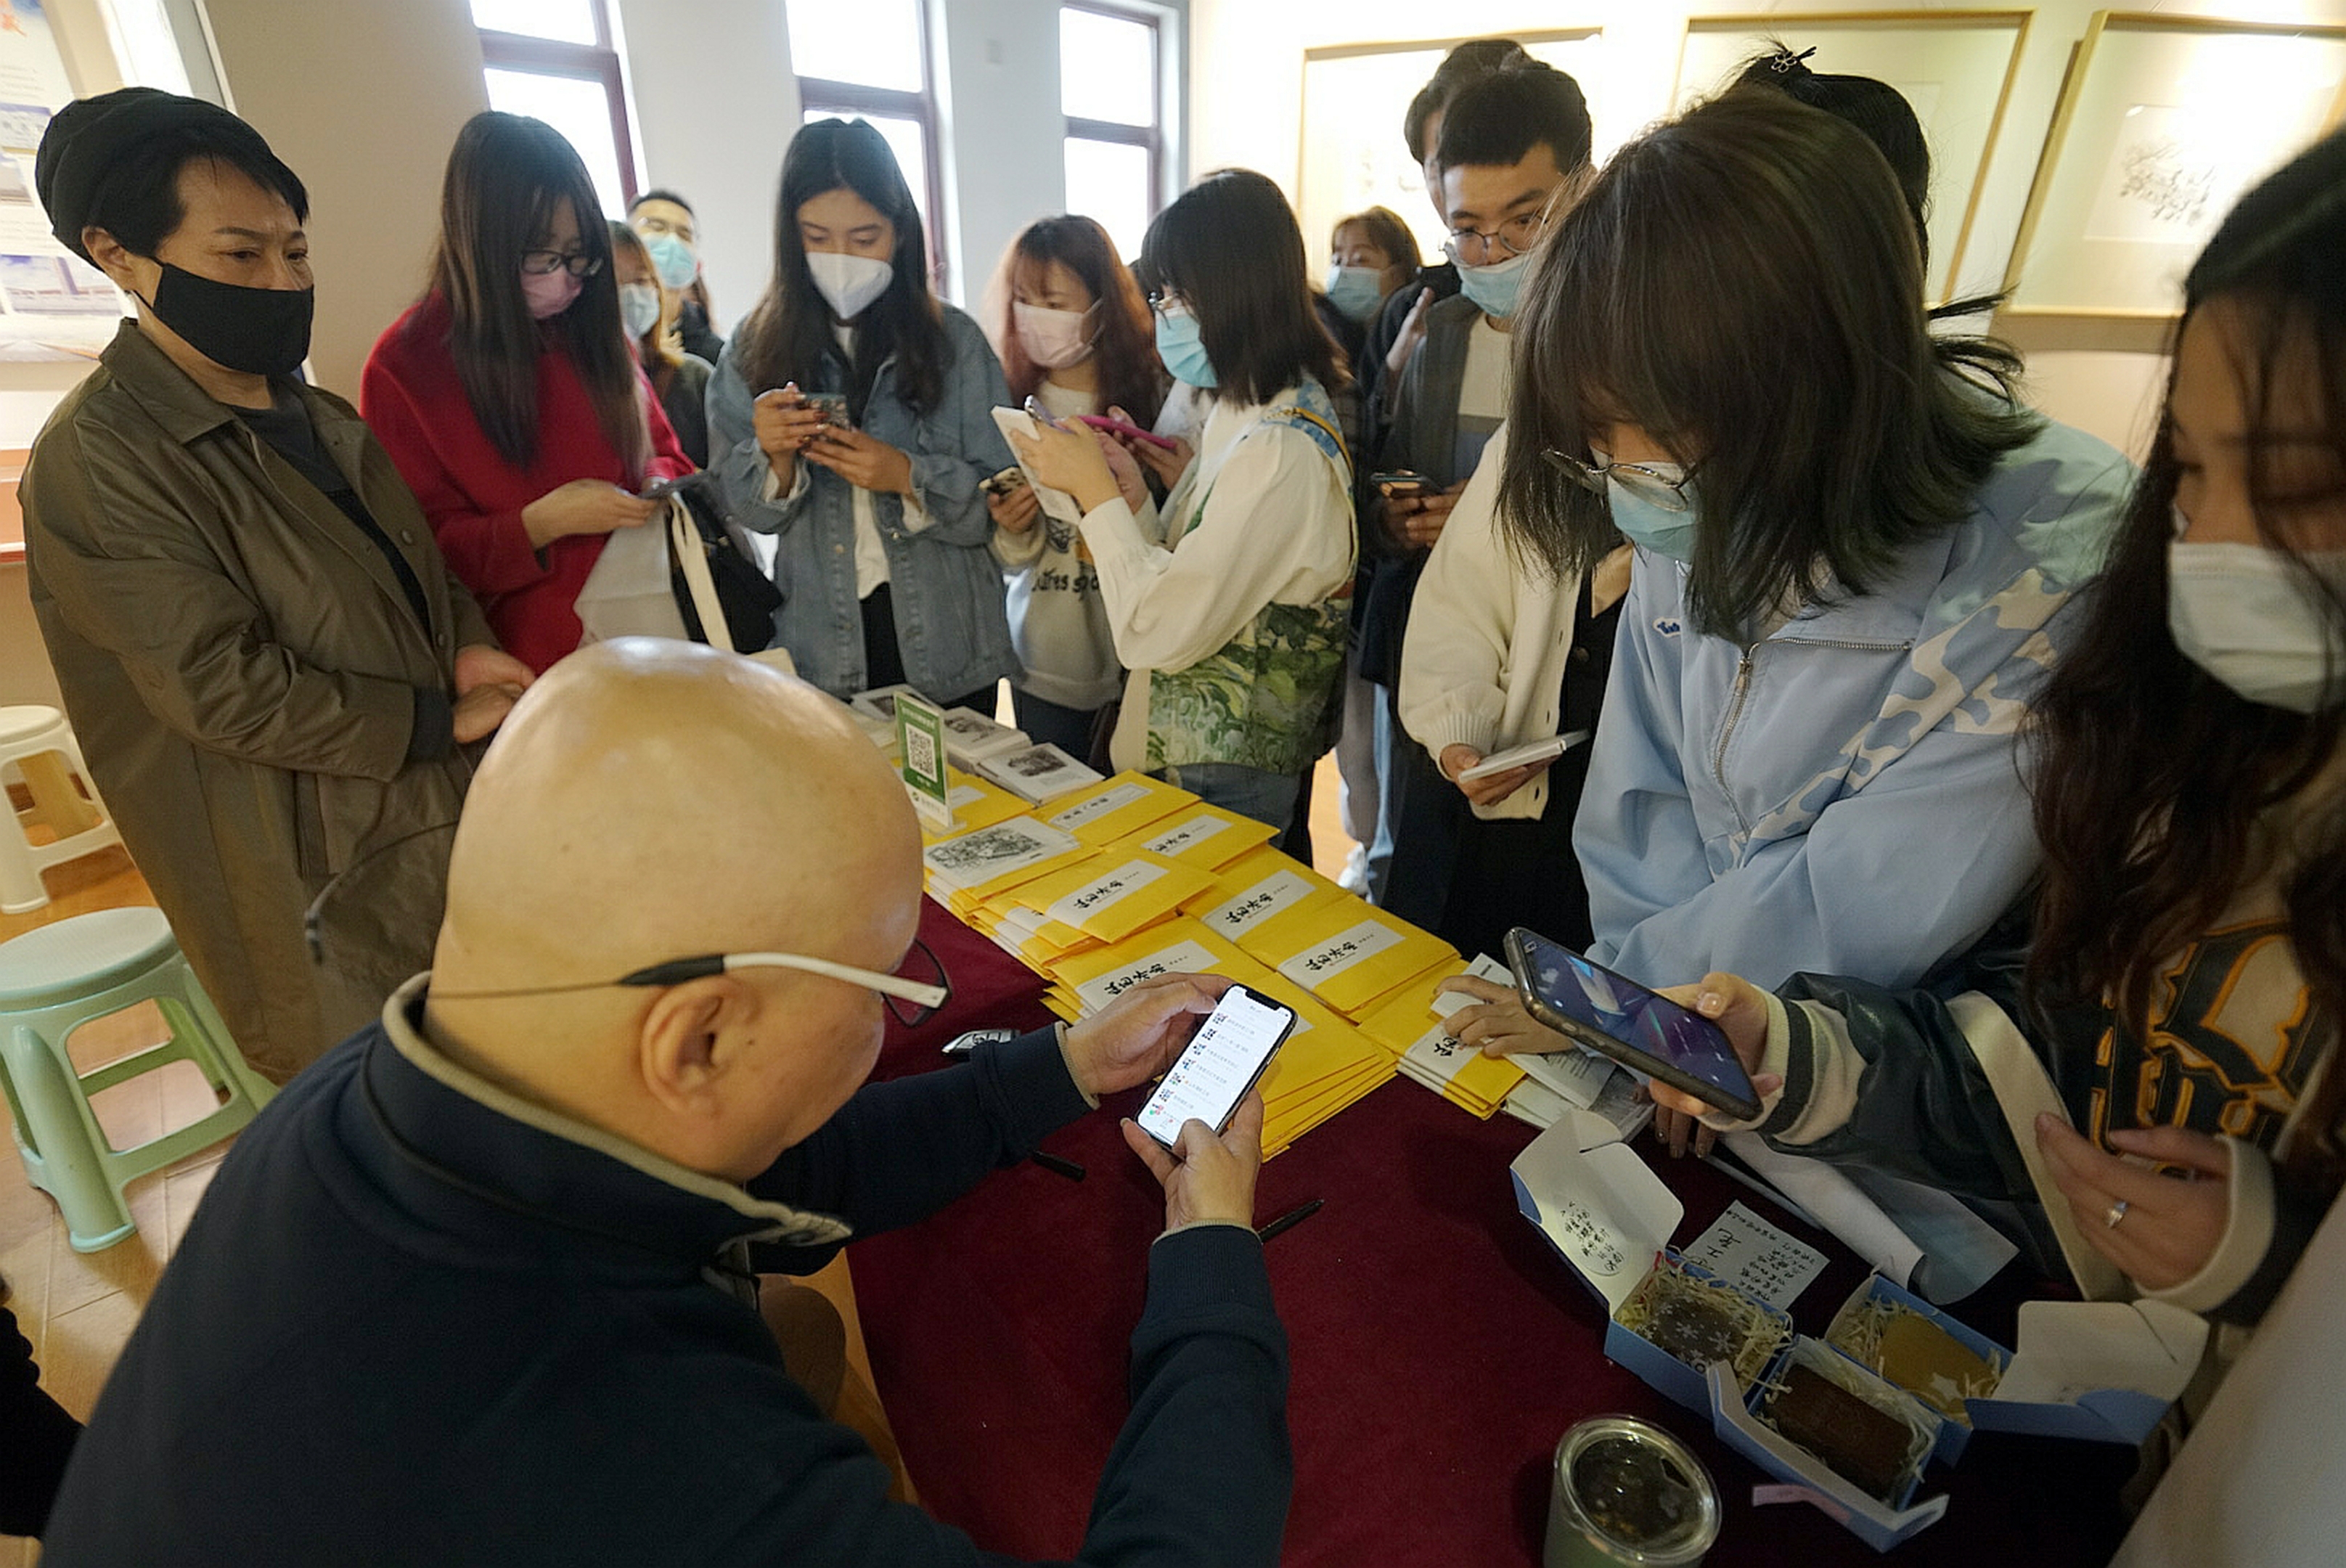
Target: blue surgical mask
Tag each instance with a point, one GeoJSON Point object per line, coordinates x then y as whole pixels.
{"type": "Point", "coordinates": [2247, 615]}
{"type": "Point", "coordinates": [1644, 520]}
{"type": "Point", "coordinates": [1495, 287]}
{"type": "Point", "coordinates": [1178, 346]}
{"type": "Point", "coordinates": [1357, 292]}
{"type": "Point", "coordinates": [639, 307]}
{"type": "Point", "coordinates": [673, 259]}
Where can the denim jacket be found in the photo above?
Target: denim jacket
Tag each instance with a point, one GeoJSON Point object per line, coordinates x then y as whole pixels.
{"type": "Point", "coordinates": [945, 586]}
{"type": "Point", "coordinates": [1845, 795]}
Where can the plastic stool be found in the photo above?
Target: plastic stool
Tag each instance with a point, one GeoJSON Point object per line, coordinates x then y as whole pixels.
{"type": "Point", "coordinates": [39, 745]}
{"type": "Point", "coordinates": [60, 977]}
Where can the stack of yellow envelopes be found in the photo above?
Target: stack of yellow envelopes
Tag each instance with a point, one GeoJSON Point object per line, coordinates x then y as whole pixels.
{"type": "Point", "coordinates": [1204, 836]}
{"type": "Point", "coordinates": [975, 804]}
{"type": "Point", "coordinates": [970, 867]}
{"type": "Point", "coordinates": [1101, 899]}
{"type": "Point", "coordinates": [1349, 955]}
{"type": "Point", "coordinates": [1414, 1026]}
{"type": "Point", "coordinates": [1114, 809]}
{"type": "Point", "coordinates": [1254, 891]}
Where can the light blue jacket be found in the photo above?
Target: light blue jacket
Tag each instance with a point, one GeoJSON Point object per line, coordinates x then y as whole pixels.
{"type": "Point", "coordinates": [1847, 795]}
{"type": "Point", "coordinates": [945, 586]}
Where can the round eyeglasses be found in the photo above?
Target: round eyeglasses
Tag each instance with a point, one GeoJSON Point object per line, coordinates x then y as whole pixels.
{"type": "Point", "coordinates": [1658, 485]}
{"type": "Point", "coordinates": [1475, 247]}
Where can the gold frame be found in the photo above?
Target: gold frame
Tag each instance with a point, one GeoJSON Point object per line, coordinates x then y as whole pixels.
{"type": "Point", "coordinates": [2072, 87]}
{"type": "Point", "coordinates": [1915, 21]}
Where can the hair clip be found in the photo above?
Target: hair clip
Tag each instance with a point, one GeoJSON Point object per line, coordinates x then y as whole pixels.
{"type": "Point", "coordinates": [1786, 62]}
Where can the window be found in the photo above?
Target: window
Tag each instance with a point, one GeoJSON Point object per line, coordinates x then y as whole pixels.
{"type": "Point", "coordinates": [556, 60]}
{"type": "Point", "coordinates": [1111, 88]}
{"type": "Point", "coordinates": [869, 60]}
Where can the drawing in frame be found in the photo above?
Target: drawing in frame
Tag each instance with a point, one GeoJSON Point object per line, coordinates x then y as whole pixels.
{"type": "Point", "coordinates": [2164, 123]}
{"type": "Point", "coordinates": [1955, 68]}
{"type": "Point", "coordinates": [1352, 156]}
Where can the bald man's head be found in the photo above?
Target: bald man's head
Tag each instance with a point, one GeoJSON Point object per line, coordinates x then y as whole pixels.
{"type": "Point", "coordinates": [650, 800]}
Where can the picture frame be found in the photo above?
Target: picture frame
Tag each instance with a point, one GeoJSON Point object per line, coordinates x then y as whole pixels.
{"type": "Point", "coordinates": [2163, 123]}
{"type": "Point", "coordinates": [1956, 69]}
{"type": "Point", "coordinates": [1351, 156]}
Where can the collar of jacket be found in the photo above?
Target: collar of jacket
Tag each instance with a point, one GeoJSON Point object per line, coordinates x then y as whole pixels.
{"type": "Point", "coordinates": [169, 394]}
{"type": "Point", "coordinates": [1892, 613]}
{"type": "Point", "coordinates": [482, 1164]}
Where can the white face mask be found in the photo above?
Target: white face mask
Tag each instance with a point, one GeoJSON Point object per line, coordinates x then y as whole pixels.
{"type": "Point", "coordinates": [850, 283]}
{"type": "Point", "coordinates": [639, 307]}
{"type": "Point", "coordinates": [2247, 615]}
{"type": "Point", "coordinates": [1054, 338]}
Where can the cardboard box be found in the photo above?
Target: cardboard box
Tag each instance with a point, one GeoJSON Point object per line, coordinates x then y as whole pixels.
{"type": "Point", "coordinates": [1871, 1520]}
{"type": "Point", "coordinates": [1954, 1432]}
{"type": "Point", "coordinates": [2104, 1371]}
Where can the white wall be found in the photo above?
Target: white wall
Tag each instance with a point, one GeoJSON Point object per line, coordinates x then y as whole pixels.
{"type": "Point", "coordinates": [1001, 97]}
{"type": "Point", "coordinates": [1246, 103]}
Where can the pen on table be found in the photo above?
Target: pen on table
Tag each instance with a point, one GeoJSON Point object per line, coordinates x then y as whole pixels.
{"type": "Point", "coordinates": [1291, 1218]}
{"type": "Point", "coordinates": [1057, 1166]}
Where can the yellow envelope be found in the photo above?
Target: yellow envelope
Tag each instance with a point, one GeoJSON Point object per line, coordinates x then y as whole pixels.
{"type": "Point", "coordinates": [1201, 835]}
{"type": "Point", "coordinates": [1346, 954]}
{"type": "Point", "coordinates": [977, 804]}
{"type": "Point", "coordinates": [1105, 899]}
{"type": "Point", "coordinates": [1096, 978]}
{"type": "Point", "coordinates": [1116, 809]}
{"type": "Point", "coordinates": [1253, 892]}
{"type": "Point", "coordinates": [1425, 1050]}
{"type": "Point", "coordinates": [970, 867]}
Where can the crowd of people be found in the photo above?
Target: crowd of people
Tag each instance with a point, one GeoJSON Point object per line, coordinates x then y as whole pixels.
{"type": "Point", "coordinates": [1987, 790]}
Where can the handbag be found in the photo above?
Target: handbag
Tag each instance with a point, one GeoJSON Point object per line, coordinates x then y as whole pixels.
{"type": "Point", "coordinates": [725, 600]}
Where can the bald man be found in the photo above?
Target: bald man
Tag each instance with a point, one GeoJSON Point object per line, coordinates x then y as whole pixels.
{"type": "Point", "coordinates": [475, 1287]}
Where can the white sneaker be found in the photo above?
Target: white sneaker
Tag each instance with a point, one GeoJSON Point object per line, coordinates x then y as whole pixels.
{"type": "Point", "coordinates": [1354, 877]}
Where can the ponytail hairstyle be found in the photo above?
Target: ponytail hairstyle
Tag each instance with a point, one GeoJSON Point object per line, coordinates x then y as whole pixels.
{"type": "Point", "coordinates": [2153, 772]}
{"type": "Point", "coordinates": [788, 332]}
{"type": "Point", "coordinates": [508, 176]}
{"type": "Point", "coordinates": [1125, 346]}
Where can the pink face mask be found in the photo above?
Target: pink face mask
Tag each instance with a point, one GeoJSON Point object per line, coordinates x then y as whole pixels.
{"type": "Point", "coordinates": [549, 293]}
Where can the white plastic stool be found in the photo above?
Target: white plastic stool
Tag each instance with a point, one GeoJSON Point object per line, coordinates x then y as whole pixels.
{"type": "Point", "coordinates": [39, 745]}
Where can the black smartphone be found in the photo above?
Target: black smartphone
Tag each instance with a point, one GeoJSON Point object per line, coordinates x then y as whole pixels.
{"type": "Point", "coordinates": [1402, 485]}
{"type": "Point", "coordinates": [1226, 1056]}
{"type": "Point", "coordinates": [1615, 1016]}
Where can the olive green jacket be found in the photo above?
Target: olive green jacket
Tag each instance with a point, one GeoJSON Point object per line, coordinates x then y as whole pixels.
{"type": "Point", "coordinates": [243, 671]}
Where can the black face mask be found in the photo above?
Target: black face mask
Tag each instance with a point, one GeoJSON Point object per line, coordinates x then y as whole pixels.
{"type": "Point", "coordinates": [260, 331]}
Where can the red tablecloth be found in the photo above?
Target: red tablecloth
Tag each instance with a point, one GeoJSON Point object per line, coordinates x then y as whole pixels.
{"type": "Point", "coordinates": [1440, 1348]}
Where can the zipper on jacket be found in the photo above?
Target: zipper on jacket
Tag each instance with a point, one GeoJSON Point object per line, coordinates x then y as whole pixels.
{"type": "Point", "coordinates": [1727, 733]}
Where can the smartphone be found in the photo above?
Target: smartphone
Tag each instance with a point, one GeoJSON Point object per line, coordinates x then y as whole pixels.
{"type": "Point", "coordinates": [834, 406]}
{"type": "Point", "coordinates": [1002, 484]}
{"type": "Point", "coordinates": [1402, 485]}
{"type": "Point", "coordinates": [1226, 1056]}
{"type": "Point", "coordinates": [1118, 427]}
{"type": "Point", "coordinates": [1615, 1016]}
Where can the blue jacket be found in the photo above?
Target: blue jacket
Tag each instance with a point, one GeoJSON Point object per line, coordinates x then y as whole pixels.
{"type": "Point", "coordinates": [945, 586]}
{"type": "Point", "coordinates": [418, 1321]}
{"type": "Point", "coordinates": [1845, 796]}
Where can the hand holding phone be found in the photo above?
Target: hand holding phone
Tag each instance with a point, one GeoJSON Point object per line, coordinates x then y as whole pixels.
{"type": "Point", "coordinates": [1642, 1030]}
{"type": "Point", "coordinates": [1125, 428]}
{"type": "Point", "coordinates": [1219, 1069]}
{"type": "Point", "coordinates": [1401, 484]}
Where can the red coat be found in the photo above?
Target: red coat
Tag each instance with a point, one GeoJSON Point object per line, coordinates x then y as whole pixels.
{"type": "Point", "coordinates": [410, 396]}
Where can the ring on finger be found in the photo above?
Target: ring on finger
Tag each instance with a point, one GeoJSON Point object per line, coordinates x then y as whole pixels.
{"type": "Point", "coordinates": [2116, 1212]}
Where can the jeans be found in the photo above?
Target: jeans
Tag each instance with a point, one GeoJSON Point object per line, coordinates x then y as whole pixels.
{"type": "Point", "coordinates": [1253, 792]}
{"type": "Point", "coordinates": [1049, 724]}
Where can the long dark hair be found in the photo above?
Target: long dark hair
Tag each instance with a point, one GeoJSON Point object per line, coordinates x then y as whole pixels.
{"type": "Point", "coordinates": [507, 175]}
{"type": "Point", "coordinates": [1228, 245]}
{"type": "Point", "coordinates": [1743, 284]}
{"type": "Point", "coordinates": [785, 337]}
{"type": "Point", "coordinates": [2153, 772]}
{"type": "Point", "coordinates": [1125, 350]}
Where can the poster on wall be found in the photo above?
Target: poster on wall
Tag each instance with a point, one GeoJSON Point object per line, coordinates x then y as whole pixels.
{"type": "Point", "coordinates": [53, 304]}
{"type": "Point", "coordinates": [2164, 123]}
{"type": "Point", "coordinates": [1954, 69]}
{"type": "Point", "coordinates": [1354, 96]}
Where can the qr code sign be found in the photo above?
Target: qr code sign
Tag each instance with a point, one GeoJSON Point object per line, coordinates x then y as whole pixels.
{"type": "Point", "coordinates": [920, 753]}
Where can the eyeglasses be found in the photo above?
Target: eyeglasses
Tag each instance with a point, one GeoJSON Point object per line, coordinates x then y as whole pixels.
{"type": "Point", "coordinates": [538, 263]}
{"type": "Point", "coordinates": [1471, 247]}
{"type": "Point", "coordinates": [645, 223]}
{"type": "Point", "coordinates": [1165, 303]}
{"type": "Point", "coordinates": [915, 993]}
{"type": "Point", "coordinates": [1649, 483]}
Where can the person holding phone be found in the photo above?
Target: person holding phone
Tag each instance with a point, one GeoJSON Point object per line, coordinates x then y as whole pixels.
{"type": "Point", "coordinates": [882, 527]}
{"type": "Point", "coordinates": [1075, 335]}
{"type": "Point", "coordinates": [507, 395]}
{"type": "Point", "coordinates": [647, 308]}
{"type": "Point", "coordinates": [2161, 1085]}
{"type": "Point", "coordinates": [1227, 605]}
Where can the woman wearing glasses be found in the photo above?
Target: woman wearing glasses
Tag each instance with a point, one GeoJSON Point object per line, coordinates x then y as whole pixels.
{"type": "Point", "coordinates": [1857, 555]}
{"type": "Point", "coordinates": [508, 396]}
{"type": "Point", "coordinates": [1224, 604]}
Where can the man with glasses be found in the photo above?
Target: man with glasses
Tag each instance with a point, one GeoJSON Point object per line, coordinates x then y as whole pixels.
{"type": "Point", "coordinates": [476, 1287]}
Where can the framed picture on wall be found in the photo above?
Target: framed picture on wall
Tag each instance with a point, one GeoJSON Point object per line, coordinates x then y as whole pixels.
{"type": "Point", "coordinates": [1955, 67]}
{"type": "Point", "coordinates": [2164, 122]}
{"type": "Point", "coordinates": [1354, 96]}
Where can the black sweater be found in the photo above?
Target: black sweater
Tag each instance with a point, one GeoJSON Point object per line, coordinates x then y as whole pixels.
{"type": "Point", "coordinates": [416, 1322]}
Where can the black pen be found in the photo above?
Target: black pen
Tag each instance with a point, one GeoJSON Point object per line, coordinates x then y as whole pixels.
{"type": "Point", "coordinates": [1057, 1166]}
{"type": "Point", "coordinates": [1291, 1219]}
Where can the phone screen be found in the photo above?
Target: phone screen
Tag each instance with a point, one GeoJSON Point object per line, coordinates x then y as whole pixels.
{"type": "Point", "coordinates": [1225, 1057]}
{"type": "Point", "coordinates": [1635, 1026]}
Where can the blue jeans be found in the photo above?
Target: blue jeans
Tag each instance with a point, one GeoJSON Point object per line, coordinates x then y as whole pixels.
{"type": "Point", "coordinates": [1249, 791]}
{"type": "Point", "coordinates": [1050, 724]}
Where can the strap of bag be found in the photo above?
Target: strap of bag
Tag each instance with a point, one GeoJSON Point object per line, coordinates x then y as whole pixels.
{"type": "Point", "coordinates": [692, 560]}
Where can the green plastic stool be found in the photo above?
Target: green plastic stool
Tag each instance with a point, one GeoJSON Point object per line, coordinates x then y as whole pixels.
{"type": "Point", "coordinates": [60, 977]}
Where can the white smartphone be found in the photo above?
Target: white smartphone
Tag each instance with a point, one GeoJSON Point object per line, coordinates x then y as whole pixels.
{"type": "Point", "coordinates": [1523, 755]}
{"type": "Point", "coordinates": [1227, 1054]}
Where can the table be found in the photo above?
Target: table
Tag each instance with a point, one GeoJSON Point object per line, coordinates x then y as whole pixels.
{"type": "Point", "coordinates": [1439, 1348]}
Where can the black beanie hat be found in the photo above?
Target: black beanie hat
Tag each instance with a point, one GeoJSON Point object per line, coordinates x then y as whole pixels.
{"type": "Point", "coordinates": [87, 139]}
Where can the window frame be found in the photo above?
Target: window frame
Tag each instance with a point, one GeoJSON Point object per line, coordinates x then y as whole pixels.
{"type": "Point", "coordinates": [598, 62]}
{"type": "Point", "coordinates": [820, 96]}
{"type": "Point", "coordinates": [1152, 135]}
